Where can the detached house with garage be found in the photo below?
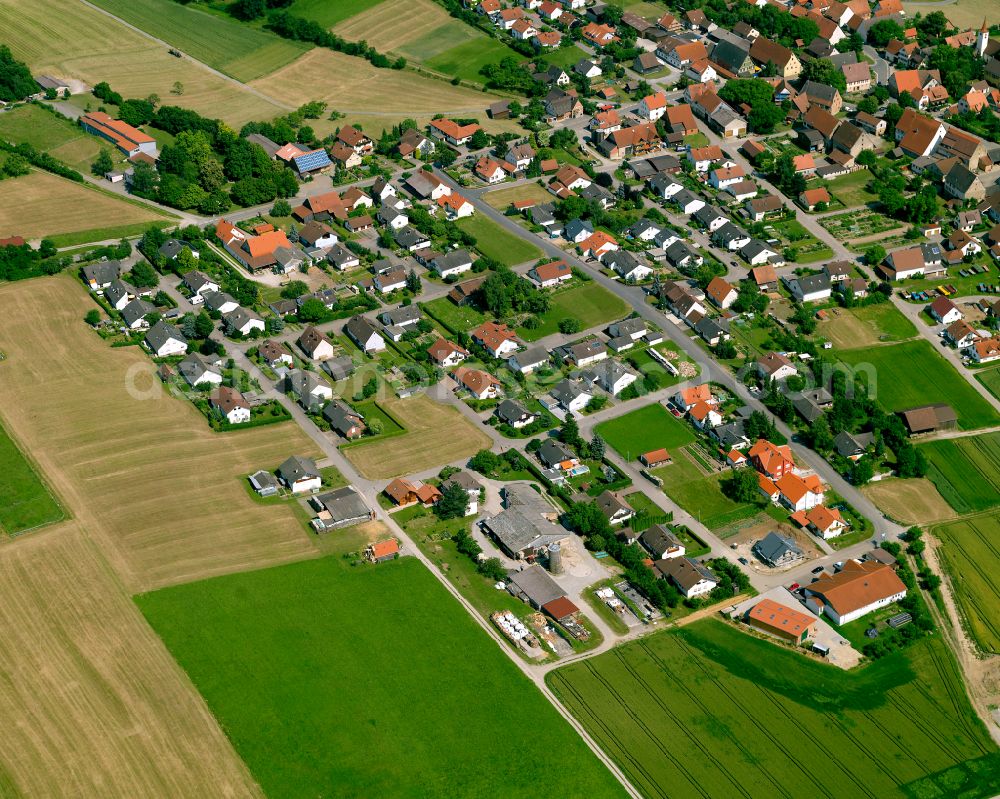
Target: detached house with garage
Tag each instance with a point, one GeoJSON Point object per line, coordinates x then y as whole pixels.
{"type": "Point", "coordinates": [363, 333]}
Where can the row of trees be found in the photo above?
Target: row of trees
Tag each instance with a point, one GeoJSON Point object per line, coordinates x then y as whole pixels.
{"type": "Point", "coordinates": [298, 29]}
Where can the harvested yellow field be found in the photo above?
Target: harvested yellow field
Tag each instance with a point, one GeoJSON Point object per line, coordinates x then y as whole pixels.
{"type": "Point", "coordinates": [911, 501]}
{"type": "Point", "coordinates": [41, 204]}
{"type": "Point", "coordinates": [69, 39]}
{"type": "Point", "coordinates": [393, 24]}
{"type": "Point", "coordinates": [353, 86]}
{"type": "Point", "coordinates": [147, 478]}
{"type": "Point", "coordinates": [435, 434]}
{"type": "Point", "coordinates": [962, 14]}
{"type": "Point", "coordinates": [92, 702]}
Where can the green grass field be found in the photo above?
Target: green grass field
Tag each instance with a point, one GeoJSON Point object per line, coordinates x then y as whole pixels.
{"type": "Point", "coordinates": [849, 189]}
{"type": "Point", "coordinates": [27, 502]}
{"type": "Point", "coordinates": [707, 711]}
{"type": "Point", "coordinates": [643, 430]}
{"type": "Point", "coordinates": [991, 379]}
{"type": "Point", "coordinates": [48, 133]}
{"type": "Point", "coordinates": [970, 549]}
{"type": "Point", "coordinates": [700, 493]}
{"type": "Point", "coordinates": [564, 57]}
{"type": "Point", "coordinates": [240, 51]}
{"type": "Point", "coordinates": [466, 59]}
{"type": "Point", "coordinates": [328, 13]}
{"type": "Point", "coordinates": [461, 318]}
{"type": "Point", "coordinates": [333, 680]}
{"type": "Point", "coordinates": [966, 471]}
{"type": "Point", "coordinates": [589, 302]}
{"type": "Point", "coordinates": [912, 374]}
{"type": "Point", "coordinates": [495, 242]}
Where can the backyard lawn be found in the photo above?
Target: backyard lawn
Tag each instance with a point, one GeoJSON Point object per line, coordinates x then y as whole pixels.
{"type": "Point", "coordinates": [333, 680]}
{"type": "Point", "coordinates": [707, 710]}
{"type": "Point", "coordinates": [699, 492]}
{"type": "Point", "coordinates": [590, 303]}
{"type": "Point", "coordinates": [849, 189]}
{"type": "Point", "coordinates": [495, 242]}
{"type": "Point", "coordinates": [460, 318]}
{"type": "Point", "coordinates": [643, 430]}
{"type": "Point", "coordinates": [911, 374]}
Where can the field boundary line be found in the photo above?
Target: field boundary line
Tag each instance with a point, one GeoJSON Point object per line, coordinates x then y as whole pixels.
{"type": "Point", "coordinates": [256, 92]}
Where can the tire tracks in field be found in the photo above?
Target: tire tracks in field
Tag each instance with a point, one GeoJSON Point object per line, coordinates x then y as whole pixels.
{"type": "Point", "coordinates": [673, 717]}
{"type": "Point", "coordinates": [610, 736]}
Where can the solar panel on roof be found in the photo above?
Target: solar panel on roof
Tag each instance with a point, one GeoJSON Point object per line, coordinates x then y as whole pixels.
{"type": "Point", "coordinates": [317, 159]}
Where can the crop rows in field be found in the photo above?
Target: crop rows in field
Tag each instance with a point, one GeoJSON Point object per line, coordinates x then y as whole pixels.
{"type": "Point", "coordinates": [966, 471]}
{"type": "Point", "coordinates": [709, 711]}
{"type": "Point", "coordinates": [972, 558]}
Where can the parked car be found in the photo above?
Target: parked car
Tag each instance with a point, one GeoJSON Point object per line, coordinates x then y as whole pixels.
{"type": "Point", "coordinates": [818, 569]}
{"type": "Point", "coordinates": [744, 561]}
{"type": "Point", "coordinates": [793, 587]}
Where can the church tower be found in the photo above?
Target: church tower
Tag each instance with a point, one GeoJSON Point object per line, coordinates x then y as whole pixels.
{"type": "Point", "coordinates": [982, 39]}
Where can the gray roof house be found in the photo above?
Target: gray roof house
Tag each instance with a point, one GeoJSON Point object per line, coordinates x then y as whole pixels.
{"type": "Point", "coordinates": [850, 445]}
{"type": "Point", "coordinates": [777, 550]}
{"type": "Point", "coordinates": [298, 469]}
{"type": "Point", "coordinates": [135, 312]}
{"type": "Point", "coordinates": [524, 528]}
{"type": "Point", "coordinates": [264, 483]}
{"type": "Point", "coordinates": [339, 508]}
{"type": "Point", "coordinates": [164, 339]}
{"type": "Point", "coordinates": [363, 333]}
{"type": "Point", "coordinates": [534, 586]}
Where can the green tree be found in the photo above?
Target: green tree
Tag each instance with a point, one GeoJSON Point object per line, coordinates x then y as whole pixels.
{"type": "Point", "coordinates": [862, 471]}
{"type": "Point", "coordinates": [312, 310]}
{"type": "Point", "coordinates": [294, 289]}
{"type": "Point", "coordinates": [92, 317]}
{"type": "Point", "coordinates": [281, 208]}
{"type": "Point", "coordinates": [143, 275]}
{"type": "Point", "coordinates": [742, 485]}
{"type": "Point", "coordinates": [16, 81]}
{"type": "Point", "coordinates": [823, 70]}
{"type": "Point", "coordinates": [881, 32]}
{"type": "Point", "coordinates": [203, 325]}
{"type": "Point", "coordinates": [486, 462]}
{"type": "Point", "coordinates": [102, 164]}
{"type": "Point", "coordinates": [874, 255]}
{"type": "Point", "coordinates": [570, 325]}
{"type": "Point", "coordinates": [569, 433]}
{"type": "Point", "coordinates": [822, 438]}
{"type": "Point", "coordinates": [453, 502]}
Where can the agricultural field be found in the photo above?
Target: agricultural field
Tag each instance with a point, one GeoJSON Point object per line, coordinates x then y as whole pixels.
{"type": "Point", "coordinates": [374, 98]}
{"type": "Point", "coordinates": [962, 13]}
{"type": "Point", "coordinates": [912, 374]}
{"type": "Point", "coordinates": [495, 242]}
{"type": "Point", "coordinates": [991, 379]}
{"type": "Point", "coordinates": [160, 493]}
{"type": "Point", "coordinates": [589, 302]}
{"type": "Point", "coordinates": [501, 199]}
{"type": "Point", "coordinates": [70, 39]}
{"type": "Point", "coordinates": [40, 205]}
{"type": "Point", "coordinates": [707, 710]}
{"type": "Point", "coordinates": [435, 434]}
{"type": "Point", "coordinates": [346, 697]}
{"type": "Point", "coordinates": [971, 555]}
{"type": "Point", "coordinates": [329, 14]}
{"type": "Point", "coordinates": [423, 32]}
{"type": "Point", "coordinates": [59, 137]}
{"type": "Point", "coordinates": [911, 501]}
{"type": "Point", "coordinates": [27, 501]}
{"type": "Point", "coordinates": [240, 51]}
{"type": "Point", "coordinates": [92, 701]}
{"type": "Point", "coordinates": [849, 328]}
{"type": "Point", "coordinates": [643, 430]}
{"type": "Point", "coordinates": [966, 471]}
